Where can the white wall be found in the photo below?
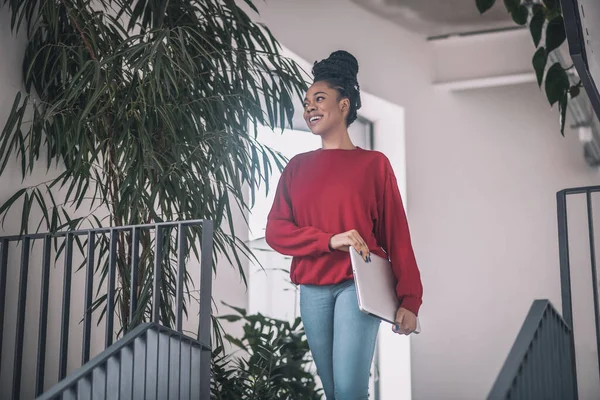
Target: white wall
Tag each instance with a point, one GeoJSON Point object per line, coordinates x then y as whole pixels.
{"type": "Point", "coordinates": [466, 58]}
{"type": "Point", "coordinates": [483, 167]}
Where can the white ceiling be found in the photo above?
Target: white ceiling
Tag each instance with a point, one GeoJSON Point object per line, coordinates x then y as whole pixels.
{"type": "Point", "coordinates": [439, 17]}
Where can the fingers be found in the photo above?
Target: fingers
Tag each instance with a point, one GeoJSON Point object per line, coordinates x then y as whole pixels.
{"type": "Point", "coordinates": [352, 239]}
{"type": "Point", "coordinates": [398, 323]}
{"type": "Point", "coordinates": [402, 329]}
{"type": "Point", "coordinates": [360, 247]}
{"type": "Point", "coordinates": [359, 244]}
{"type": "Point", "coordinates": [404, 325]}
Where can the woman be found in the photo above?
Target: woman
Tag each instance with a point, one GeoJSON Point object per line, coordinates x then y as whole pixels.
{"type": "Point", "coordinates": [329, 200]}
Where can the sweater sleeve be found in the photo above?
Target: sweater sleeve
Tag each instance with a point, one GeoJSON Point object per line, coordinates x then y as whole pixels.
{"type": "Point", "coordinates": [284, 235]}
{"type": "Point", "coordinates": [393, 234]}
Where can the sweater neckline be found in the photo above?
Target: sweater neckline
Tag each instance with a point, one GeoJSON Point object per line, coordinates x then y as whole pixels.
{"type": "Point", "coordinates": [340, 150]}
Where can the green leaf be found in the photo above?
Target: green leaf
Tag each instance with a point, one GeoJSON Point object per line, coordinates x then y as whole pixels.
{"type": "Point", "coordinates": [251, 5]}
{"type": "Point", "coordinates": [484, 5]}
{"type": "Point", "coordinates": [536, 26]}
{"type": "Point", "coordinates": [39, 197]}
{"type": "Point", "coordinates": [239, 310]}
{"type": "Point", "coordinates": [555, 34]}
{"type": "Point", "coordinates": [230, 318]}
{"type": "Point", "coordinates": [8, 204]}
{"type": "Point", "coordinates": [562, 106]}
{"type": "Point", "coordinates": [520, 15]}
{"type": "Point", "coordinates": [512, 5]}
{"type": "Point", "coordinates": [540, 59]}
{"type": "Point", "coordinates": [26, 212]}
{"type": "Point", "coordinates": [557, 83]}
{"type": "Point", "coordinates": [575, 91]}
{"type": "Point", "coordinates": [551, 4]}
{"type": "Point", "coordinates": [12, 116]}
{"type": "Point", "coordinates": [236, 342]}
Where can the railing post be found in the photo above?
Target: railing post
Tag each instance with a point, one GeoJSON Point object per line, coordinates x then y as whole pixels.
{"type": "Point", "coordinates": [590, 215]}
{"type": "Point", "coordinates": [3, 271]}
{"type": "Point", "coordinates": [135, 261]}
{"type": "Point", "coordinates": [66, 308]}
{"type": "Point", "coordinates": [110, 295]}
{"type": "Point", "coordinates": [205, 306]}
{"type": "Point", "coordinates": [42, 335]}
{"type": "Point", "coordinates": [181, 242]}
{"type": "Point", "coordinates": [565, 277]}
{"type": "Point", "coordinates": [21, 308]}
{"type": "Point", "coordinates": [88, 296]}
{"type": "Point", "coordinates": [158, 258]}
{"type": "Point", "coordinates": [563, 251]}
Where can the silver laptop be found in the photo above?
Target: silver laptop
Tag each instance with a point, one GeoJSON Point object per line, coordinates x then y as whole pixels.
{"type": "Point", "coordinates": [376, 287]}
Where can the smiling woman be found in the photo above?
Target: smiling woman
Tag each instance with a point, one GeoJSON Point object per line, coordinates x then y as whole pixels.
{"type": "Point", "coordinates": [331, 199]}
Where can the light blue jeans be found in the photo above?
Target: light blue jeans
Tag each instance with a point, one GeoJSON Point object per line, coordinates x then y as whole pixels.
{"type": "Point", "coordinates": [341, 339]}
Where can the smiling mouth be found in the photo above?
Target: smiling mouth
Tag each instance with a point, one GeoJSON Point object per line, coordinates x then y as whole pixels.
{"type": "Point", "coordinates": [315, 119]}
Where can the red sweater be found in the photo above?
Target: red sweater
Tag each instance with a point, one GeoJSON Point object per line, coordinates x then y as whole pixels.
{"type": "Point", "coordinates": [326, 192]}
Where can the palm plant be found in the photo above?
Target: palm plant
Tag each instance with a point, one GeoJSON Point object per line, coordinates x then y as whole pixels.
{"type": "Point", "coordinates": [149, 109]}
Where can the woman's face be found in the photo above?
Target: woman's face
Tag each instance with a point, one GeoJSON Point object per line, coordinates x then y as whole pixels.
{"type": "Point", "coordinates": [324, 111]}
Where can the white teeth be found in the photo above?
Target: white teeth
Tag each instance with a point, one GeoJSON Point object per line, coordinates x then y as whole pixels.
{"type": "Point", "coordinates": [313, 119]}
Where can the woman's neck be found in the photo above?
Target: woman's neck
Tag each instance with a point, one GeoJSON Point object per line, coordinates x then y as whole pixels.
{"type": "Point", "coordinates": [340, 140]}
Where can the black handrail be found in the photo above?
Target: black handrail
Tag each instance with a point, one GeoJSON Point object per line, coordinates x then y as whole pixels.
{"type": "Point", "coordinates": [565, 262]}
{"type": "Point", "coordinates": [27, 241]}
{"type": "Point", "coordinates": [81, 380]}
{"type": "Point", "coordinates": [540, 363]}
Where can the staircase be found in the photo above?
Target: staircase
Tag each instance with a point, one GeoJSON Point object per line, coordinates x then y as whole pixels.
{"type": "Point", "coordinates": [151, 360]}
{"type": "Point", "coordinates": [540, 363]}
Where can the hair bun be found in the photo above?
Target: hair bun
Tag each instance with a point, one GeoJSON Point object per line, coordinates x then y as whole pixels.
{"type": "Point", "coordinates": [347, 59]}
{"type": "Point", "coordinates": [340, 64]}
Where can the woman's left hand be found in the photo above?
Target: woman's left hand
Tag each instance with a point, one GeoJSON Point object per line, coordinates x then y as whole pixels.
{"type": "Point", "coordinates": [406, 322]}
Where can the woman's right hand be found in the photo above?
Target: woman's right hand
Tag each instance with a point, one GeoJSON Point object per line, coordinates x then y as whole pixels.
{"type": "Point", "coordinates": [343, 241]}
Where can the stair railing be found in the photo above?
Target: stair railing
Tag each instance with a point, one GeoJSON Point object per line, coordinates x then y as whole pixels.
{"type": "Point", "coordinates": [16, 383]}
{"type": "Point", "coordinates": [565, 258]}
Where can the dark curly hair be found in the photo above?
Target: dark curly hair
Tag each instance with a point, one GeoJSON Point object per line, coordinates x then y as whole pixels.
{"type": "Point", "coordinates": [340, 72]}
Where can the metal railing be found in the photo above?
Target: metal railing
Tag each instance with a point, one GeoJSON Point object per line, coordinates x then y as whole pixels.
{"type": "Point", "coordinates": [540, 364]}
{"type": "Point", "coordinates": [91, 237]}
{"type": "Point", "coordinates": [565, 263]}
{"type": "Point", "coordinates": [151, 361]}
